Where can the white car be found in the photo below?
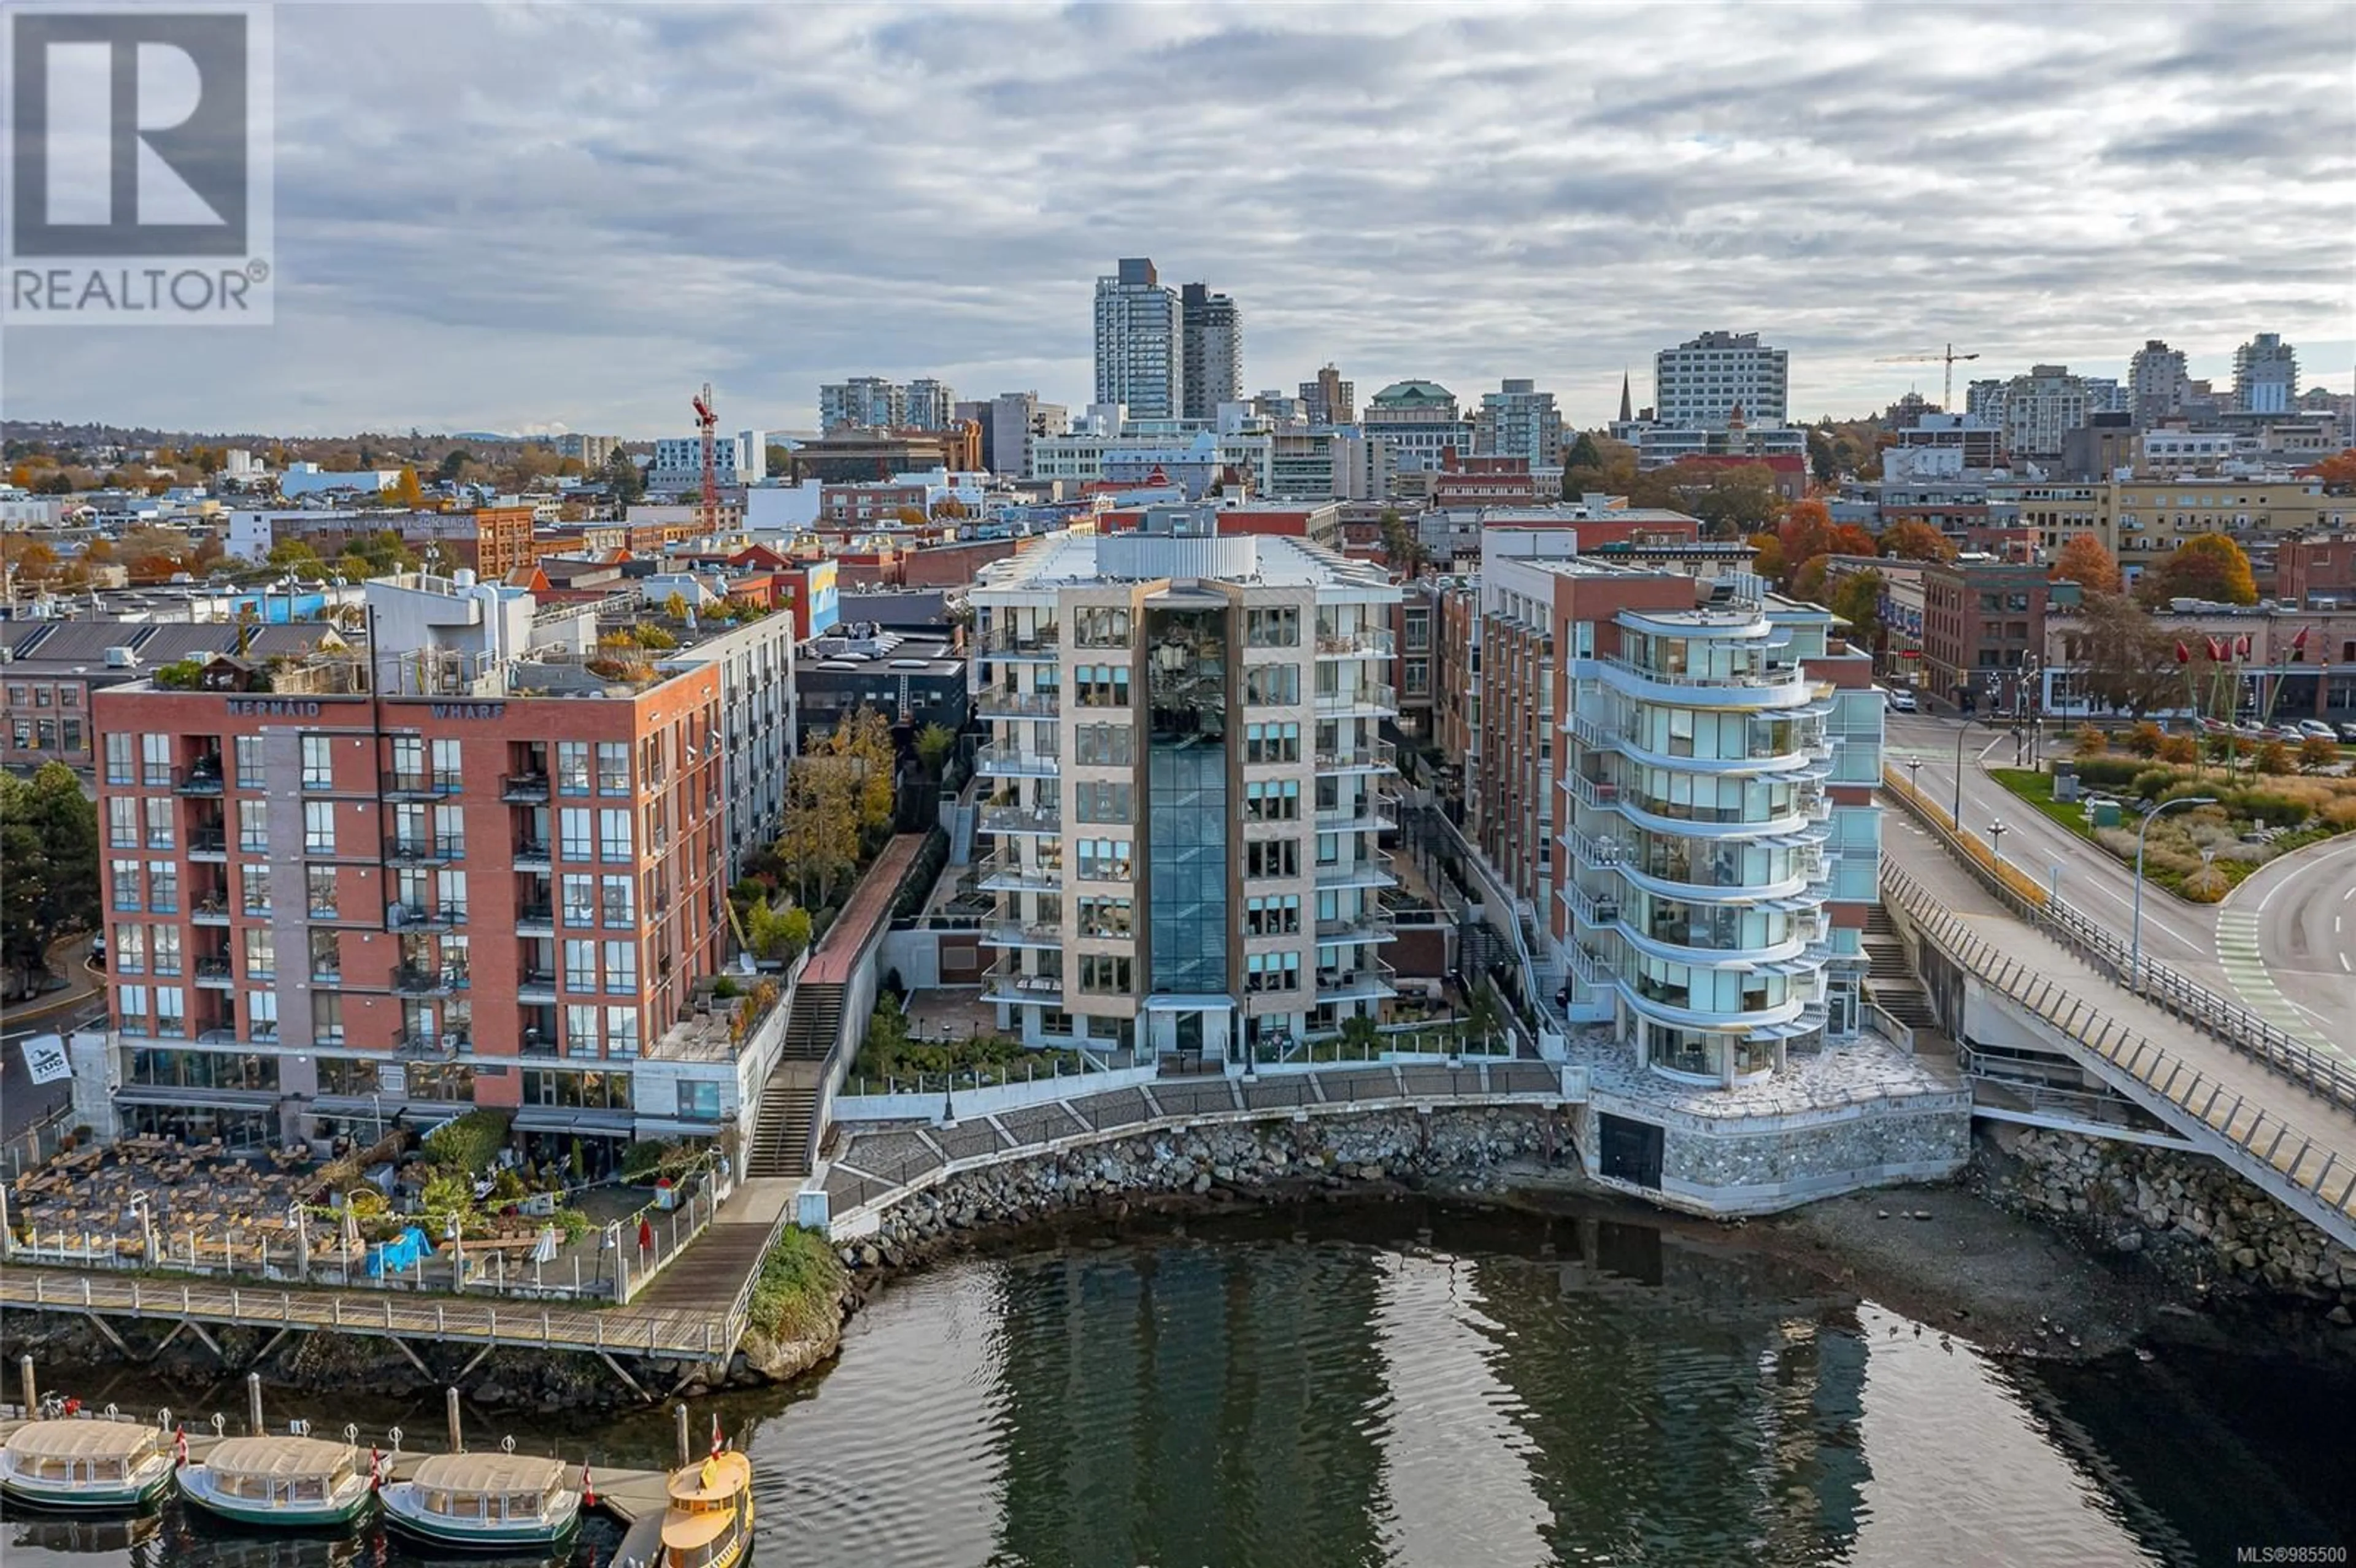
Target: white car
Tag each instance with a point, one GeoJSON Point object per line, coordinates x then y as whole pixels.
{"type": "Point", "coordinates": [2316, 729]}
{"type": "Point", "coordinates": [1901, 699]}
{"type": "Point", "coordinates": [2348, 733]}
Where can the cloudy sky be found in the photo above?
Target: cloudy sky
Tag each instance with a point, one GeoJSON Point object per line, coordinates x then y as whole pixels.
{"type": "Point", "coordinates": [569, 216]}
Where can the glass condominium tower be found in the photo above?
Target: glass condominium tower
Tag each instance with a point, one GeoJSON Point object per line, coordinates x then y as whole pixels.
{"type": "Point", "coordinates": [1184, 787]}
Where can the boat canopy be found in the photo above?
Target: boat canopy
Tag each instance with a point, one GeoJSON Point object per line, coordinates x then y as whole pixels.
{"type": "Point", "coordinates": [487, 1473]}
{"type": "Point", "coordinates": [83, 1440]}
{"type": "Point", "coordinates": [690, 1532]}
{"type": "Point", "coordinates": [715, 1480]}
{"type": "Point", "coordinates": [282, 1458]}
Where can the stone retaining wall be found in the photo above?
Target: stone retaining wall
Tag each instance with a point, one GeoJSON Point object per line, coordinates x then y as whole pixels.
{"type": "Point", "coordinates": [1734, 1170]}
{"type": "Point", "coordinates": [2191, 1217]}
{"type": "Point", "coordinates": [1464, 1145]}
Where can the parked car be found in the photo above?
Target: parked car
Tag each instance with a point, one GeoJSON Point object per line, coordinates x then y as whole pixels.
{"type": "Point", "coordinates": [98, 952]}
{"type": "Point", "coordinates": [2215, 726]}
{"type": "Point", "coordinates": [2348, 733]}
{"type": "Point", "coordinates": [2316, 729]}
{"type": "Point", "coordinates": [2290, 732]}
{"type": "Point", "coordinates": [1901, 700]}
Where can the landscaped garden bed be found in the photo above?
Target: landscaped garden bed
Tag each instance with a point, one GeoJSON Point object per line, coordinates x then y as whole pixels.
{"type": "Point", "coordinates": [2197, 852]}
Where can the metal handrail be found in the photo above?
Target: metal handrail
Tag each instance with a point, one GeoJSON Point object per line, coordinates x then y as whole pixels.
{"type": "Point", "coordinates": [2170, 1076]}
{"type": "Point", "coordinates": [2167, 989]}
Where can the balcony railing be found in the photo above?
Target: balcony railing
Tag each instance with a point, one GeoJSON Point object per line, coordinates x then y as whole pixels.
{"type": "Point", "coordinates": [1752, 680]}
{"type": "Point", "coordinates": [403, 851]}
{"type": "Point", "coordinates": [1015, 933]}
{"type": "Point", "coordinates": [997, 759]}
{"type": "Point", "coordinates": [210, 844]}
{"type": "Point", "coordinates": [1046, 642]}
{"type": "Point", "coordinates": [538, 984]}
{"type": "Point", "coordinates": [536, 915]}
{"type": "Point", "coordinates": [1030, 990]}
{"type": "Point", "coordinates": [1376, 756]}
{"type": "Point", "coordinates": [423, 917]}
{"type": "Point", "coordinates": [209, 911]}
{"type": "Point", "coordinates": [1368, 644]}
{"type": "Point", "coordinates": [1373, 697]}
{"type": "Point", "coordinates": [1370, 872]}
{"type": "Point", "coordinates": [429, 785]}
{"type": "Point", "coordinates": [1601, 794]}
{"type": "Point", "coordinates": [215, 972]}
{"type": "Point", "coordinates": [1593, 908]}
{"type": "Point", "coordinates": [1358, 928]}
{"type": "Point", "coordinates": [531, 855]}
{"type": "Point", "coordinates": [1020, 819]}
{"type": "Point", "coordinates": [433, 1045]}
{"type": "Point", "coordinates": [524, 786]}
{"type": "Point", "coordinates": [1361, 982]}
{"type": "Point", "coordinates": [203, 778]}
{"type": "Point", "coordinates": [997, 702]}
{"type": "Point", "coordinates": [1000, 873]}
{"type": "Point", "coordinates": [412, 981]}
{"type": "Point", "coordinates": [1372, 815]}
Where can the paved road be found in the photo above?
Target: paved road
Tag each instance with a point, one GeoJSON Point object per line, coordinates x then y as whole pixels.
{"type": "Point", "coordinates": [22, 1102]}
{"type": "Point", "coordinates": [2272, 943]}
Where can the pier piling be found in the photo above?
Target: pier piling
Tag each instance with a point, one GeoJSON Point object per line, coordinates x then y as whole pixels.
{"type": "Point", "coordinates": [253, 1403]}
{"type": "Point", "coordinates": [457, 1443]}
{"type": "Point", "coordinates": [26, 1386]}
{"type": "Point", "coordinates": [680, 1411]}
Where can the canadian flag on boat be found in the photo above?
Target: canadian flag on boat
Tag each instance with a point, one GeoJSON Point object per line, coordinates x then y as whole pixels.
{"type": "Point", "coordinates": [180, 1447]}
{"type": "Point", "coordinates": [716, 1443]}
{"type": "Point", "coordinates": [376, 1468]}
{"type": "Point", "coordinates": [588, 1488]}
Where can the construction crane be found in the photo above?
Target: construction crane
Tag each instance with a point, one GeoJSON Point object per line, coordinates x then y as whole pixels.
{"type": "Point", "coordinates": [1947, 392]}
{"type": "Point", "coordinates": [707, 422]}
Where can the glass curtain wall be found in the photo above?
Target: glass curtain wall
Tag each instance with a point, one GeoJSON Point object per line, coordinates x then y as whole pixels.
{"type": "Point", "coordinates": [1186, 786]}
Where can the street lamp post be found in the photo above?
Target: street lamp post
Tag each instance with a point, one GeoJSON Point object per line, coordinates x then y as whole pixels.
{"type": "Point", "coordinates": [1913, 770]}
{"type": "Point", "coordinates": [1962, 728]}
{"type": "Point", "coordinates": [1996, 845]}
{"type": "Point", "coordinates": [2135, 924]}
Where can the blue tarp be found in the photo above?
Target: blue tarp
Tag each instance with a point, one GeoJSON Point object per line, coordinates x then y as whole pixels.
{"type": "Point", "coordinates": [401, 1253]}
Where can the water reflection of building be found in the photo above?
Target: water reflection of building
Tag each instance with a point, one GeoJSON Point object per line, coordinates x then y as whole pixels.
{"type": "Point", "coordinates": [1662, 1398]}
{"type": "Point", "coordinates": [1191, 1404]}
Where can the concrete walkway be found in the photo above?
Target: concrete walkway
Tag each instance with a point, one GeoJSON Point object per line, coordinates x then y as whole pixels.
{"type": "Point", "coordinates": [2198, 1084]}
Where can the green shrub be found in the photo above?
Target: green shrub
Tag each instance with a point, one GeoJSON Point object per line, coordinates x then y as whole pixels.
{"type": "Point", "coordinates": [2150, 783]}
{"type": "Point", "coordinates": [572, 1223]}
{"type": "Point", "coordinates": [642, 1159]}
{"type": "Point", "coordinates": [2108, 773]}
{"type": "Point", "coordinates": [469, 1142]}
{"type": "Point", "coordinates": [796, 1294]}
{"type": "Point", "coordinates": [2266, 806]}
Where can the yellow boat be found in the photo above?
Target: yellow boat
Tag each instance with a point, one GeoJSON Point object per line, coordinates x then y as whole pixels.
{"type": "Point", "coordinates": [708, 1523]}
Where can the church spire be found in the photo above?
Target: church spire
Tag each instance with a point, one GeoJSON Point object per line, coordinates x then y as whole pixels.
{"type": "Point", "coordinates": [1627, 409]}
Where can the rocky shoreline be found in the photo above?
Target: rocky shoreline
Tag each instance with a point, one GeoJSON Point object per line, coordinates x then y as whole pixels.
{"type": "Point", "coordinates": [2050, 1245]}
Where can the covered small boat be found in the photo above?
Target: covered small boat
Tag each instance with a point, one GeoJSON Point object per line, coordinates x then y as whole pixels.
{"type": "Point", "coordinates": [708, 1522]}
{"type": "Point", "coordinates": [483, 1502]}
{"type": "Point", "coordinates": [85, 1463]}
{"type": "Point", "coordinates": [305, 1482]}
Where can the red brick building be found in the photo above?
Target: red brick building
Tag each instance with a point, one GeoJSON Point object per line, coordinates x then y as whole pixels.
{"type": "Point", "coordinates": [324, 906]}
{"type": "Point", "coordinates": [1982, 622]}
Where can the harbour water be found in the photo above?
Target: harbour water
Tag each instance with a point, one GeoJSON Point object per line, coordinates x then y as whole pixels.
{"type": "Point", "coordinates": [1417, 1384]}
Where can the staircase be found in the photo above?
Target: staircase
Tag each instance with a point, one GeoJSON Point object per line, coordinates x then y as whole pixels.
{"type": "Point", "coordinates": [781, 1132]}
{"type": "Point", "coordinates": [1889, 981]}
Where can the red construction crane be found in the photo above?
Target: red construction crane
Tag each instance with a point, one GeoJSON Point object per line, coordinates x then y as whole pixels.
{"type": "Point", "coordinates": [707, 422]}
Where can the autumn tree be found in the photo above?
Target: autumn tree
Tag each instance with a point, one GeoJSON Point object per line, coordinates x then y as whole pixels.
{"type": "Point", "coordinates": [820, 844]}
{"type": "Point", "coordinates": [405, 491]}
{"type": "Point", "coordinates": [934, 744]}
{"type": "Point", "coordinates": [297, 555]}
{"type": "Point", "coordinates": [2338, 473]}
{"type": "Point", "coordinates": [863, 741]}
{"type": "Point", "coordinates": [1857, 599]}
{"type": "Point", "coordinates": [1402, 545]}
{"type": "Point", "coordinates": [33, 560]}
{"type": "Point", "coordinates": [1909, 539]}
{"type": "Point", "coordinates": [1728, 499]}
{"type": "Point", "coordinates": [2085, 563]}
{"type": "Point", "coordinates": [2126, 658]}
{"type": "Point", "coordinates": [2206, 566]}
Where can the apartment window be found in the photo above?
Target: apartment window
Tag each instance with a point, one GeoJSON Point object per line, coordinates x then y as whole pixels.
{"type": "Point", "coordinates": [130, 1008]}
{"type": "Point", "coordinates": [319, 761]}
{"type": "Point", "coordinates": [165, 949]}
{"type": "Point", "coordinates": [1099, 626]}
{"type": "Point", "coordinates": [1105, 745]}
{"type": "Point", "coordinates": [318, 827]}
{"type": "Point", "coordinates": [1272, 800]}
{"type": "Point", "coordinates": [1417, 624]}
{"type": "Point", "coordinates": [1094, 801]}
{"type": "Point", "coordinates": [326, 1018]}
{"type": "Point", "coordinates": [129, 954]}
{"type": "Point", "coordinates": [1106, 917]}
{"type": "Point", "coordinates": [573, 767]}
{"type": "Point", "coordinates": [156, 759]}
{"type": "Point", "coordinates": [1273, 915]}
{"type": "Point", "coordinates": [446, 754]}
{"type": "Point", "coordinates": [1271, 971]}
{"type": "Point", "coordinates": [580, 900]}
{"type": "Point", "coordinates": [622, 968]}
{"type": "Point", "coordinates": [118, 759]}
{"type": "Point", "coordinates": [450, 889]}
{"type": "Point", "coordinates": [613, 767]}
{"type": "Point", "coordinates": [1104, 974]}
{"type": "Point", "coordinates": [162, 886]}
{"type": "Point", "coordinates": [261, 1016]}
{"type": "Point", "coordinates": [450, 829]}
{"type": "Point", "coordinates": [1272, 858]}
{"type": "Point", "coordinates": [580, 965]}
{"type": "Point", "coordinates": [255, 882]}
{"type": "Point", "coordinates": [261, 945]}
{"type": "Point", "coordinates": [1105, 859]}
{"type": "Point", "coordinates": [122, 821]}
{"type": "Point", "coordinates": [614, 837]}
{"type": "Point", "coordinates": [621, 1031]}
{"type": "Point", "coordinates": [1271, 743]}
{"type": "Point", "coordinates": [253, 826]}
{"type": "Point", "coordinates": [1278, 626]}
{"type": "Point", "coordinates": [1101, 686]}
{"type": "Point", "coordinates": [617, 901]}
{"type": "Point", "coordinates": [574, 837]}
{"type": "Point", "coordinates": [580, 1029]}
{"type": "Point", "coordinates": [1272, 684]}
{"type": "Point", "coordinates": [319, 883]}
{"type": "Point", "coordinates": [409, 759]}
{"type": "Point", "coordinates": [171, 1012]}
